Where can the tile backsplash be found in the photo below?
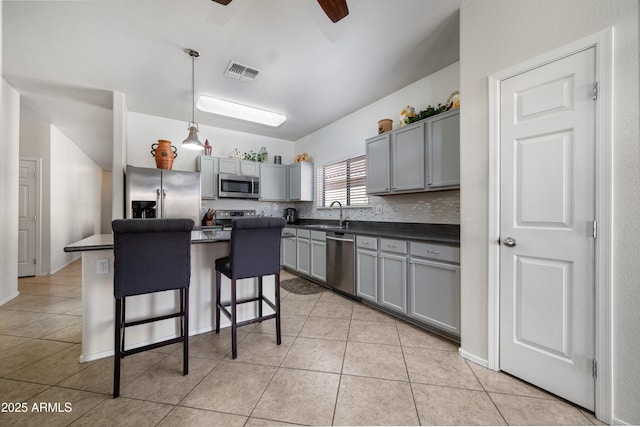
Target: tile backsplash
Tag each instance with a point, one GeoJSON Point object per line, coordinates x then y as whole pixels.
{"type": "Point", "coordinates": [438, 207]}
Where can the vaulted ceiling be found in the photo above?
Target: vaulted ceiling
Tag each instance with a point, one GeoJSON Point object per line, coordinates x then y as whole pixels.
{"type": "Point", "coordinates": [67, 57]}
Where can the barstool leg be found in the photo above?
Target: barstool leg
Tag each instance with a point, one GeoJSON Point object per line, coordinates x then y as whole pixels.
{"type": "Point", "coordinates": [185, 330]}
{"type": "Point", "coordinates": [116, 347]}
{"type": "Point", "coordinates": [234, 327]}
{"type": "Point", "coordinates": [260, 296]}
{"type": "Point", "coordinates": [218, 279]}
{"type": "Point", "coordinates": [277, 283]}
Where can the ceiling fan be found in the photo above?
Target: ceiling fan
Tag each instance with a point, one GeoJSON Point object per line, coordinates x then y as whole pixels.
{"type": "Point", "coordinates": [335, 9]}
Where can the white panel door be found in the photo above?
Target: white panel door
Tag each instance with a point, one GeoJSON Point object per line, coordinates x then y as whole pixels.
{"type": "Point", "coordinates": [547, 212]}
{"type": "Point", "coordinates": [27, 192]}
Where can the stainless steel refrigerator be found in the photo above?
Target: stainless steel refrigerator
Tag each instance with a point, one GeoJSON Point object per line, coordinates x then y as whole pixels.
{"type": "Point", "coordinates": [162, 193]}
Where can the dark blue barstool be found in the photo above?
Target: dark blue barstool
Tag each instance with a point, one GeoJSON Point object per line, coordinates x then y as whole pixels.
{"type": "Point", "coordinates": [151, 255]}
{"type": "Point", "coordinates": [255, 252]}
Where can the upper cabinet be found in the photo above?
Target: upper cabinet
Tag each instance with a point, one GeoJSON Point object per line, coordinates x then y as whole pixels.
{"type": "Point", "coordinates": [300, 177]}
{"type": "Point", "coordinates": [443, 136]}
{"type": "Point", "coordinates": [208, 168]}
{"type": "Point", "coordinates": [273, 182]}
{"type": "Point", "coordinates": [378, 151]}
{"type": "Point", "coordinates": [239, 167]}
{"type": "Point", "coordinates": [423, 156]}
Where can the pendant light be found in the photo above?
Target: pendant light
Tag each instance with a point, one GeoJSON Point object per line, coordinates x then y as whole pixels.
{"type": "Point", "coordinates": [192, 142]}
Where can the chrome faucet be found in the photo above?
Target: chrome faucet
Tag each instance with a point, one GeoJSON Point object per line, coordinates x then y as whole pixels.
{"type": "Point", "coordinates": [341, 221]}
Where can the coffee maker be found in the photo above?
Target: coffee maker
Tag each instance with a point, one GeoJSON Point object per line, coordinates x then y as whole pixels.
{"type": "Point", "coordinates": [291, 215]}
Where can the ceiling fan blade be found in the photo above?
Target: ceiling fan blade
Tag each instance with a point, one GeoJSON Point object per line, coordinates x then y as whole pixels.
{"type": "Point", "coordinates": [335, 9]}
{"type": "Point", "coordinates": [223, 2]}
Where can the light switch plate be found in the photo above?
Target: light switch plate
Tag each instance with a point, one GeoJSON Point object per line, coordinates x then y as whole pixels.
{"type": "Point", "coordinates": [102, 266]}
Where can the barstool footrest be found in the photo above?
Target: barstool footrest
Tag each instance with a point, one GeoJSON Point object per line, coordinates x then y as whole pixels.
{"type": "Point", "coordinates": [154, 319]}
{"type": "Point", "coordinates": [151, 346]}
{"type": "Point", "coordinates": [223, 309]}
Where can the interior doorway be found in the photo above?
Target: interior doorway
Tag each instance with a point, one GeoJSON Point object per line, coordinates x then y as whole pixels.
{"type": "Point", "coordinates": [599, 228]}
{"type": "Point", "coordinates": [28, 218]}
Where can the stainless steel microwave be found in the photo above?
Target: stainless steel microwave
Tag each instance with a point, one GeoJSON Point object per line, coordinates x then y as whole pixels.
{"type": "Point", "coordinates": [238, 186]}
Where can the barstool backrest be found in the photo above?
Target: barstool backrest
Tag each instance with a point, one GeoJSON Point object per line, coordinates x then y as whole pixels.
{"type": "Point", "coordinates": [255, 246]}
{"type": "Point", "coordinates": [151, 255]}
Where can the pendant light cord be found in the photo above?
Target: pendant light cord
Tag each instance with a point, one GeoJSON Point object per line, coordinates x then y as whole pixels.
{"type": "Point", "coordinates": [194, 54]}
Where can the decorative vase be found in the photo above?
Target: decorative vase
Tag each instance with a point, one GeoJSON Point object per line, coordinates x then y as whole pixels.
{"type": "Point", "coordinates": [164, 154]}
{"type": "Point", "coordinates": [384, 125]}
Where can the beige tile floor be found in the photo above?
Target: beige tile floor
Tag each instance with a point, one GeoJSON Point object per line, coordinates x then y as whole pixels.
{"type": "Point", "coordinates": [340, 363]}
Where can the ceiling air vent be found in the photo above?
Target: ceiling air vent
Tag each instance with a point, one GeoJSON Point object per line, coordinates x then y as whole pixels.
{"type": "Point", "coordinates": [242, 72]}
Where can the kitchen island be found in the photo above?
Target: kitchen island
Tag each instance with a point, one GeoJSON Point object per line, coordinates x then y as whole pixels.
{"type": "Point", "coordinates": [98, 300]}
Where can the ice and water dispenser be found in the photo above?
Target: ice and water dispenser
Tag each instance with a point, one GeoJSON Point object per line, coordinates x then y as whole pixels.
{"type": "Point", "coordinates": [143, 209]}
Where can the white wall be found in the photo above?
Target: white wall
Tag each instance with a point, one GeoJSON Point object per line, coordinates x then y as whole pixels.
{"type": "Point", "coordinates": [346, 138]}
{"type": "Point", "coordinates": [75, 198]}
{"type": "Point", "coordinates": [9, 161]}
{"type": "Point", "coordinates": [106, 192]}
{"type": "Point", "coordinates": [71, 192]}
{"type": "Point", "coordinates": [495, 35]}
{"type": "Point", "coordinates": [144, 130]}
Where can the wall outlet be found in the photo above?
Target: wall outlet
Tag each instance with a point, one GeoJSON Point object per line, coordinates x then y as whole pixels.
{"type": "Point", "coordinates": [377, 210]}
{"type": "Point", "coordinates": [102, 266]}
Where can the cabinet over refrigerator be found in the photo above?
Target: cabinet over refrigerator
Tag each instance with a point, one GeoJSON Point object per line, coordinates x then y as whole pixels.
{"type": "Point", "coordinates": [162, 193]}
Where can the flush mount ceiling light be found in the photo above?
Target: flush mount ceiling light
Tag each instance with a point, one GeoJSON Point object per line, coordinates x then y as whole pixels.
{"type": "Point", "coordinates": [222, 107]}
{"type": "Point", "coordinates": [192, 142]}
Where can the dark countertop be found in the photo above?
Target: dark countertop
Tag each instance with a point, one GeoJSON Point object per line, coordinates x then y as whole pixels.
{"type": "Point", "coordinates": [446, 234]}
{"type": "Point", "coordinates": [99, 242]}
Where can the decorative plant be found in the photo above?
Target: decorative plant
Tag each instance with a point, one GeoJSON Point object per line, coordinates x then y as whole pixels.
{"type": "Point", "coordinates": [430, 111]}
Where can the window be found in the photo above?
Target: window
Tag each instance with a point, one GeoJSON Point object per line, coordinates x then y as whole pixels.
{"type": "Point", "coordinates": [343, 181]}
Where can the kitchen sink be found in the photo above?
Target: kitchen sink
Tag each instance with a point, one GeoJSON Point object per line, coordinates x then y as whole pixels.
{"type": "Point", "coordinates": [331, 226]}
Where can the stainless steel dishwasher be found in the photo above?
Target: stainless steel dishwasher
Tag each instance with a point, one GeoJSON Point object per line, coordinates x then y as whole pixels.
{"type": "Point", "coordinates": [341, 262]}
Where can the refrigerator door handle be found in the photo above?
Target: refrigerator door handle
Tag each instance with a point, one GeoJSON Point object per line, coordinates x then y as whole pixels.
{"type": "Point", "coordinates": [164, 197]}
{"type": "Point", "coordinates": [158, 201]}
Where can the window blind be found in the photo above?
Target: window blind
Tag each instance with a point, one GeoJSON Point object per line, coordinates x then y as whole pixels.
{"type": "Point", "coordinates": [344, 181]}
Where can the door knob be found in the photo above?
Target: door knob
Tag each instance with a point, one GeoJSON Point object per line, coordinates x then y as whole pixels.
{"type": "Point", "coordinates": [509, 241]}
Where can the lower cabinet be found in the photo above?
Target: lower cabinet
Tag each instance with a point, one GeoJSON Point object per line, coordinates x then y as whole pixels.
{"type": "Point", "coordinates": [414, 279]}
{"type": "Point", "coordinates": [305, 253]}
{"type": "Point", "coordinates": [381, 272]}
{"type": "Point", "coordinates": [434, 286]}
{"type": "Point", "coordinates": [288, 252]}
{"type": "Point", "coordinates": [367, 274]}
{"type": "Point", "coordinates": [303, 248]}
{"type": "Point", "coordinates": [393, 274]}
{"type": "Point", "coordinates": [318, 255]}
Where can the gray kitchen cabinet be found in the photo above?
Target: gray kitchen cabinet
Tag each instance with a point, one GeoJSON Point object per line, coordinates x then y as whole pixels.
{"type": "Point", "coordinates": [407, 158]}
{"type": "Point", "coordinates": [207, 166]}
{"type": "Point", "coordinates": [367, 268]}
{"type": "Point", "coordinates": [273, 182]}
{"type": "Point", "coordinates": [443, 135]}
{"type": "Point", "coordinates": [318, 261]}
{"type": "Point", "coordinates": [434, 286]}
{"type": "Point", "coordinates": [300, 182]}
{"type": "Point", "coordinates": [288, 252]}
{"type": "Point", "coordinates": [378, 153]}
{"type": "Point", "coordinates": [305, 253]}
{"type": "Point", "coordinates": [423, 156]}
{"type": "Point", "coordinates": [381, 272]}
{"type": "Point", "coordinates": [393, 274]}
{"type": "Point", "coordinates": [239, 167]}
{"type": "Point", "coordinates": [303, 249]}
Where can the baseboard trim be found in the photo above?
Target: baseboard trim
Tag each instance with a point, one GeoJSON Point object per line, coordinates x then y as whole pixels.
{"type": "Point", "coordinates": [9, 298]}
{"type": "Point", "coordinates": [472, 357]}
